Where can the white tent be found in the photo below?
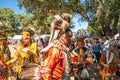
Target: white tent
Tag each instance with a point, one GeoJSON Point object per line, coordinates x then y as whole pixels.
{"type": "Point", "coordinates": [17, 37]}
{"type": "Point", "coordinates": [44, 36]}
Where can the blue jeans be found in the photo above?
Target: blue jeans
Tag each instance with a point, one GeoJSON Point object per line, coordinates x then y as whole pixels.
{"type": "Point", "coordinates": [98, 55]}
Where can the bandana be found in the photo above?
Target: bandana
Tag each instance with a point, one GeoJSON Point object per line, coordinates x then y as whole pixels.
{"type": "Point", "coordinates": [25, 32]}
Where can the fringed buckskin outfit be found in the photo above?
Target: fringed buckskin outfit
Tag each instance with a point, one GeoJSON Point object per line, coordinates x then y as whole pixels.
{"type": "Point", "coordinates": [4, 54]}
{"type": "Point", "coordinates": [4, 51]}
{"type": "Point", "coordinates": [56, 64]}
{"type": "Point", "coordinates": [110, 59]}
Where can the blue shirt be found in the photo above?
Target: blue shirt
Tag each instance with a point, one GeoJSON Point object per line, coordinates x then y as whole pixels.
{"type": "Point", "coordinates": [96, 48]}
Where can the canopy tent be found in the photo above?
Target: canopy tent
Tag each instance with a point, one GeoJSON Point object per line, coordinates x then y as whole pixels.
{"type": "Point", "coordinates": [17, 37]}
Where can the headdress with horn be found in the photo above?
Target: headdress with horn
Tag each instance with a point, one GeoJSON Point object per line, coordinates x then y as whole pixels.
{"type": "Point", "coordinates": [57, 19]}
{"type": "Point", "coordinates": [67, 17]}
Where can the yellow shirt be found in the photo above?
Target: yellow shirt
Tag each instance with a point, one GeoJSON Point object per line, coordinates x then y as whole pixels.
{"type": "Point", "coordinates": [21, 57]}
{"type": "Point", "coordinates": [81, 53]}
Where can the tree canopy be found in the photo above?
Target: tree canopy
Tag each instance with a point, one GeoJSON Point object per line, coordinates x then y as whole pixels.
{"type": "Point", "coordinates": [13, 22]}
{"type": "Point", "coordinates": [101, 15]}
{"type": "Point", "coordinates": [8, 20]}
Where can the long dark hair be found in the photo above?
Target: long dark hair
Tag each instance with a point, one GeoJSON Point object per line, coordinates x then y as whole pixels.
{"type": "Point", "coordinates": [63, 31]}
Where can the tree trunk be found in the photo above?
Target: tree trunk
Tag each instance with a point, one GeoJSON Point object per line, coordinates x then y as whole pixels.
{"type": "Point", "coordinates": [115, 29]}
{"type": "Point", "coordinates": [111, 31]}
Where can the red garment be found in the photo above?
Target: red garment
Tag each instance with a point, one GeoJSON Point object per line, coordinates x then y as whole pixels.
{"type": "Point", "coordinates": [1, 77]}
{"type": "Point", "coordinates": [74, 59]}
{"type": "Point", "coordinates": [53, 66]}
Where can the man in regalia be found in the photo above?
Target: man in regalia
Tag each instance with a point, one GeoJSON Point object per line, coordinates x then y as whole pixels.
{"type": "Point", "coordinates": [4, 52]}
{"type": "Point", "coordinates": [108, 62]}
{"type": "Point", "coordinates": [56, 65]}
{"type": "Point", "coordinates": [26, 52]}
